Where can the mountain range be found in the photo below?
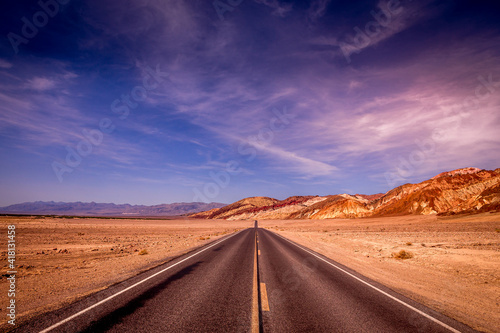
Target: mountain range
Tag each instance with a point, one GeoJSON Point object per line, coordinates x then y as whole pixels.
{"type": "Point", "coordinates": [107, 209]}
{"type": "Point", "coordinates": [462, 191]}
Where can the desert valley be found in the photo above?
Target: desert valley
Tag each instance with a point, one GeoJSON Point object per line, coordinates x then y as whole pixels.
{"type": "Point", "coordinates": [437, 242]}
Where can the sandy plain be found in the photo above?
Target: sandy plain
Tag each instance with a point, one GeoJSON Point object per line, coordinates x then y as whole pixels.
{"type": "Point", "coordinates": [455, 268]}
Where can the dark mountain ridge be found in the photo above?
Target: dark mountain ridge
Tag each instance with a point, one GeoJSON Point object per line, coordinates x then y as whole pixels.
{"type": "Point", "coordinates": [107, 209]}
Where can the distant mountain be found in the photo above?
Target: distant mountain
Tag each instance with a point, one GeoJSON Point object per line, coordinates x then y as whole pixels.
{"type": "Point", "coordinates": [462, 191]}
{"type": "Point", "coordinates": [107, 209]}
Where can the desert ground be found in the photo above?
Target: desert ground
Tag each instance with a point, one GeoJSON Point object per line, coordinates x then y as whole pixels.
{"type": "Point", "coordinates": [60, 260]}
{"type": "Point", "coordinates": [454, 266]}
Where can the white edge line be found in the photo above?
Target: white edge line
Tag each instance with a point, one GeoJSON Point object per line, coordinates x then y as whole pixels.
{"type": "Point", "coordinates": [132, 286]}
{"type": "Point", "coordinates": [377, 289]}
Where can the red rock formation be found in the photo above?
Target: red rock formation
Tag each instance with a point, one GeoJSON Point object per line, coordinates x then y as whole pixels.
{"type": "Point", "coordinates": [462, 191]}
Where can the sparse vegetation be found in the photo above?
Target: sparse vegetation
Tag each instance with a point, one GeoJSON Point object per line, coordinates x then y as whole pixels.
{"type": "Point", "coordinates": [402, 255]}
{"type": "Point", "coordinates": [409, 243]}
{"type": "Point", "coordinates": [143, 252]}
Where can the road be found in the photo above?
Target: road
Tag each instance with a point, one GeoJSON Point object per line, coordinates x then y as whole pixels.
{"type": "Point", "coordinates": [251, 281]}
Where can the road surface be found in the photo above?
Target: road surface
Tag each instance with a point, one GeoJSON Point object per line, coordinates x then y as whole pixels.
{"type": "Point", "coordinates": [251, 281]}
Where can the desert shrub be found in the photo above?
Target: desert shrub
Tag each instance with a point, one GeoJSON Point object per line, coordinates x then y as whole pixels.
{"type": "Point", "coordinates": [409, 243]}
{"type": "Point", "coordinates": [402, 255]}
{"type": "Point", "coordinates": [143, 252]}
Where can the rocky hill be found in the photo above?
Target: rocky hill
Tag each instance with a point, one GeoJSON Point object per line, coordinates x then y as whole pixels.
{"type": "Point", "coordinates": [237, 208]}
{"type": "Point", "coordinates": [335, 206]}
{"type": "Point", "coordinates": [459, 191]}
{"type": "Point", "coordinates": [462, 191]}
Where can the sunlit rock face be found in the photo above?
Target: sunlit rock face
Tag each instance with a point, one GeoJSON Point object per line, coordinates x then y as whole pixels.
{"type": "Point", "coordinates": [467, 190]}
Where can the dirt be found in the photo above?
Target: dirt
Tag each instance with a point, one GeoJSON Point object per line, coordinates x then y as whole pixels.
{"type": "Point", "coordinates": [455, 267]}
{"type": "Point", "coordinates": [60, 260]}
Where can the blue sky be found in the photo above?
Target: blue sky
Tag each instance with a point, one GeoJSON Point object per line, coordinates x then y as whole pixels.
{"type": "Point", "coordinates": [149, 102]}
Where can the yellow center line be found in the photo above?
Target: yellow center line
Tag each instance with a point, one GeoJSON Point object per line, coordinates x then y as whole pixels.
{"type": "Point", "coordinates": [264, 303]}
{"type": "Point", "coordinates": [255, 296]}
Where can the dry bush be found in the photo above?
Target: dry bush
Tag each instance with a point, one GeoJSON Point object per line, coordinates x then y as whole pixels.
{"type": "Point", "coordinates": [143, 252]}
{"type": "Point", "coordinates": [402, 255]}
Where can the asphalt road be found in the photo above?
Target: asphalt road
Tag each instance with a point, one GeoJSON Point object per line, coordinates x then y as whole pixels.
{"type": "Point", "coordinates": [251, 281]}
{"type": "Point", "coordinates": [309, 293]}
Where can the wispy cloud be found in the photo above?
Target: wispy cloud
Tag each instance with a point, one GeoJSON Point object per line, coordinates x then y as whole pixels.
{"type": "Point", "coordinates": [5, 64]}
{"type": "Point", "coordinates": [306, 167]}
{"type": "Point", "coordinates": [317, 9]}
{"type": "Point", "coordinates": [280, 9]}
{"type": "Point", "coordinates": [40, 84]}
{"type": "Point", "coordinates": [382, 24]}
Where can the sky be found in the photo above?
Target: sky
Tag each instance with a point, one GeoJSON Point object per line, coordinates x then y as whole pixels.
{"type": "Point", "coordinates": [160, 101]}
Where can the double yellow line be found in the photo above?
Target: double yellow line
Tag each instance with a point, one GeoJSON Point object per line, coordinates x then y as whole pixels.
{"type": "Point", "coordinates": [255, 291]}
{"type": "Point", "coordinates": [263, 292]}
